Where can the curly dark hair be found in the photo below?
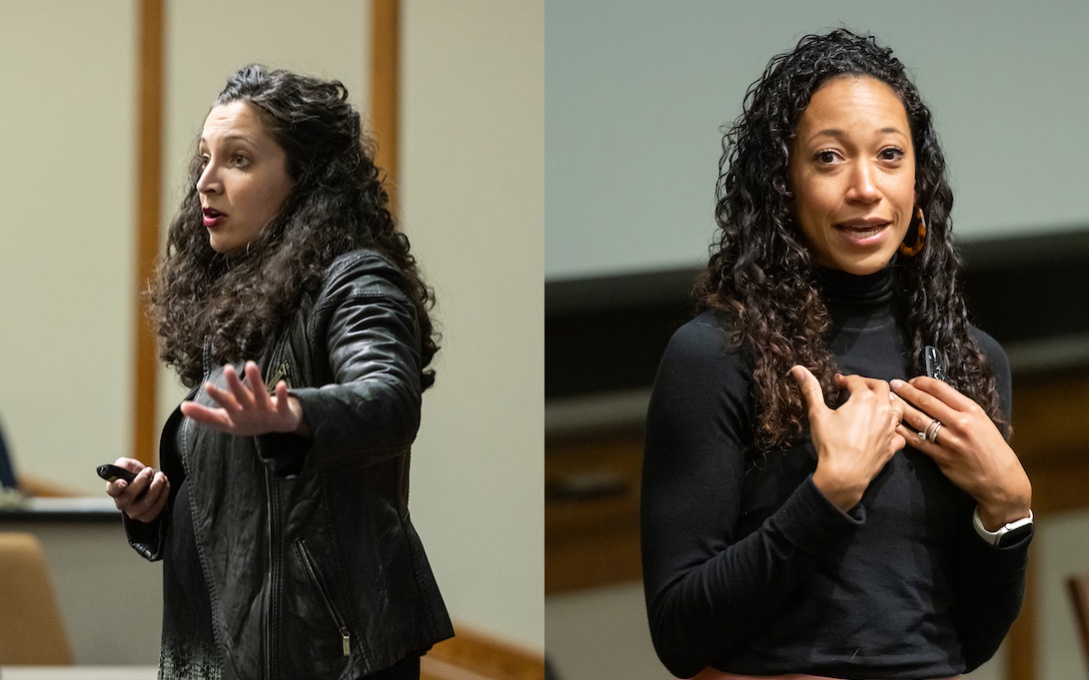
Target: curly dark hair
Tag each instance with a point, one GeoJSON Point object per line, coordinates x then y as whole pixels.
{"type": "Point", "coordinates": [761, 274]}
{"type": "Point", "coordinates": [237, 303]}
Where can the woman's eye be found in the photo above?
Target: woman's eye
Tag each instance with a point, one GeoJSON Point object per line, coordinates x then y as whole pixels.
{"type": "Point", "coordinates": [891, 154]}
{"type": "Point", "coordinates": [826, 157]}
{"type": "Point", "coordinates": [204, 160]}
{"type": "Point", "coordinates": [240, 160]}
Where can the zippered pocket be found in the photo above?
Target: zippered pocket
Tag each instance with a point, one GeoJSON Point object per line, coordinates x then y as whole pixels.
{"type": "Point", "coordinates": [319, 584]}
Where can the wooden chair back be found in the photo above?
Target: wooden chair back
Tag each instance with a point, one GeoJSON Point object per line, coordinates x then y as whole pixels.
{"type": "Point", "coordinates": [31, 629]}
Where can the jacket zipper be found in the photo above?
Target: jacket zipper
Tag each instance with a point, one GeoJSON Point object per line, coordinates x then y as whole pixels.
{"type": "Point", "coordinates": [308, 562]}
{"type": "Point", "coordinates": [280, 374]}
{"type": "Point", "coordinates": [271, 631]}
{"type": "Point", "coordinates": [273, 577]}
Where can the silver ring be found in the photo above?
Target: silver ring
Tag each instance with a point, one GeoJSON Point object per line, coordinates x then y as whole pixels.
{"type": "Point", "coordinates": [932, 431]}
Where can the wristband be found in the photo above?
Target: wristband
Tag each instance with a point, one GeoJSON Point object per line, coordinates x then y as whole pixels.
{"type": "Point", "coordinates": [1007, 534]}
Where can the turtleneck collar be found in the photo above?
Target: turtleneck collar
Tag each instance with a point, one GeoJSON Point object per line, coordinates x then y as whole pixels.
{"type": "Point", "coordinates": [837, 287]}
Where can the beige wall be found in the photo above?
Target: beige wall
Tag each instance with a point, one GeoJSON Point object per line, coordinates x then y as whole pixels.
{"type": "Point", "coordinates": [472, 199]}
{"type": "Point", "coordinates": [472, 182]}
{"type": "Point", "coordinates": [67, 194]}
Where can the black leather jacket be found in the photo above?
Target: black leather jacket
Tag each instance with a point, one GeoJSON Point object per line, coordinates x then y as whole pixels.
{"type": "Point", "coordinates": [311, 561]}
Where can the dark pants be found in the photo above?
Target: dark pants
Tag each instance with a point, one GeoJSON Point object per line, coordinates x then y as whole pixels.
{"type": "Point", "coordinates": [405, 669]}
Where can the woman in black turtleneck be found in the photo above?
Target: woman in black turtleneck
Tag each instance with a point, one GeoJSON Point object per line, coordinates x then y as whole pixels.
{"type": "Point", "coordinates": [827, 486]}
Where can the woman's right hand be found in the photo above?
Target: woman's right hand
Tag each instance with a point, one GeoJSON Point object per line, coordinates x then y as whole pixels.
{"type": "Point", "coordinates": [143, 499]}
{"type": "Point", "coordinates": [854, 441]}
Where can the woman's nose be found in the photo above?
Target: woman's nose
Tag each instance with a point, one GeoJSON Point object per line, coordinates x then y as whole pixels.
{"type": "Point", "coordinates": [208, 182]}
{"type": "Point", "coordinates": [863, 187]}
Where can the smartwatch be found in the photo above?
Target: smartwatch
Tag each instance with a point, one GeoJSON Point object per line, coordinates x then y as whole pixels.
{"type": "Point", "coordinates": [1007, 534]}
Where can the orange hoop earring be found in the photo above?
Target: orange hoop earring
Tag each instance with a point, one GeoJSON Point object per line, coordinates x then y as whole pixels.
{"type": "Point", "coordinates": [920, 237]}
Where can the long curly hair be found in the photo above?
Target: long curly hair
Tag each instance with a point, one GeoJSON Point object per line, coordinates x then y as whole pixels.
{"type": "Point", "coordinates": [235, 304]}
{"type": "Point", "coordinates": [761, 274]}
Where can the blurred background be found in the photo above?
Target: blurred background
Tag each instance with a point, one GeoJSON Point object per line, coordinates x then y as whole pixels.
{"type": "Point", "coordinates": [102, 103]}
{"type": "Point", "coordinates": [636, 92]}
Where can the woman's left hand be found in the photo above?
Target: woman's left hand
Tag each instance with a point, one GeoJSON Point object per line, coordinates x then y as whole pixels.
{"type": "Point", "coordinates": [247, 409]}
{"type": "Point", "coordinates": [968, 448]}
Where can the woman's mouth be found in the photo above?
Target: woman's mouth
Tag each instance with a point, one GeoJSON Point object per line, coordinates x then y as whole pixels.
{"type": "Point", "coordinates": [212, 217]}
{"type": "Point", "coordinates": [862, 232]}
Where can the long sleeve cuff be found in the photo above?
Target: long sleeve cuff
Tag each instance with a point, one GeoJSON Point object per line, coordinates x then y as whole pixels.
{"type": "Point", "coordinates": [147, 538]}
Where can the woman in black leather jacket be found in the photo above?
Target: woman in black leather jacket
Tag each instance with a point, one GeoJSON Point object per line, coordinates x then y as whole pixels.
{"type": "Point", "coordinates": [294, 311]}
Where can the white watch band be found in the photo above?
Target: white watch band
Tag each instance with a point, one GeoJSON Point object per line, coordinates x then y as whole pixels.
{"type": "Point", "coordinates": [993, 537]}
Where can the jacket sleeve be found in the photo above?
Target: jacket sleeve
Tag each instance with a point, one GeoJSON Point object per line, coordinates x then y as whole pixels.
{"type": "Point", "coordinates": [708, 590]}
{"type": "Point", "coordinates": [990, 581]}
{"type": "Point", "coordinates": [371, 410]}
{"type": "Point", "coordinates": [149, 539]}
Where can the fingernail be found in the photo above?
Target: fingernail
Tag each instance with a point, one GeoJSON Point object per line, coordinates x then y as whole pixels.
{"type": "Point", "coordinates": [896, 383]}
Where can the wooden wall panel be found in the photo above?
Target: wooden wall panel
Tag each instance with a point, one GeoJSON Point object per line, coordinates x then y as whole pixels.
{"type": "Point", "coordinates": [148, 214]}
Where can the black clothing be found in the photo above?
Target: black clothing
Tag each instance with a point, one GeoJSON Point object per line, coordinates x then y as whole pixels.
{"type": "Point", "coordinates": [406, 669]}
{"type": "Point", "coordinates": [295, 557]}
{"type": "Point", "coordinates": [748, 568]}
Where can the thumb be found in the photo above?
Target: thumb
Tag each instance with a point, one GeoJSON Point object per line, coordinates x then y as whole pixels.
{"type": "Point", "coordinates": [810, 387]}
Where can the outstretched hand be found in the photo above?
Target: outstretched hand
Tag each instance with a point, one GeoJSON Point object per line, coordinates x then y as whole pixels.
{"type": "Point", "coordinates": [247, 409]}
{"type": "Point", "coordinates": [967, 447]}
{"type": "Point", "coordinates": [854, 441]}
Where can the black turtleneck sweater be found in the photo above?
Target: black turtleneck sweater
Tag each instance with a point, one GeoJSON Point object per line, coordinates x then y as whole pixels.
{"type": "Point", "coordinates": [748, 568]}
